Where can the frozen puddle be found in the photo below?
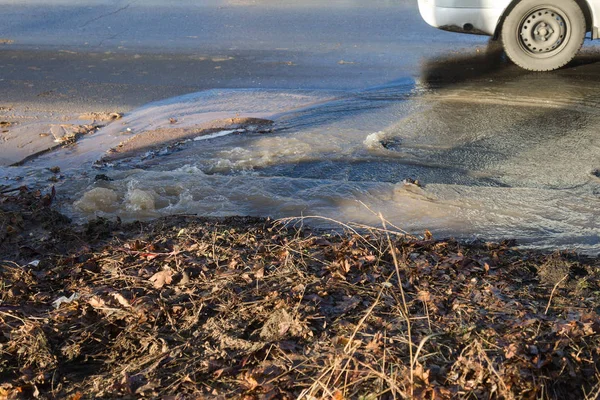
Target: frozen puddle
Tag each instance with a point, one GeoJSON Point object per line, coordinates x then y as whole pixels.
{"type": "Point", "coordinates": [487, 172]}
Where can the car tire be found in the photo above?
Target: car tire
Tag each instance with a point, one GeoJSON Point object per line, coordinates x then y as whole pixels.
{"type": "Point", "coordinates": [543, 35]}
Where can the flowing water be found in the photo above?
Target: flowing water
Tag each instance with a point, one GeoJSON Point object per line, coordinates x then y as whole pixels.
{"type": "Point", "coordinates": [494, 159]}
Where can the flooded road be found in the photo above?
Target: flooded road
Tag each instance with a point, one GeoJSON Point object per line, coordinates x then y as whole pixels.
{"type": "Point", "coordinates": [464, 145]}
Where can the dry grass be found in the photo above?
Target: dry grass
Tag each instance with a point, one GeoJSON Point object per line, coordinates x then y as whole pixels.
{"type": "Point", "coordinates": [244, 308]}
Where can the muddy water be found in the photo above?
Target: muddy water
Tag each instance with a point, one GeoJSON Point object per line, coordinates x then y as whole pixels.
{"type": "Point", "coordinates": [496, 157]}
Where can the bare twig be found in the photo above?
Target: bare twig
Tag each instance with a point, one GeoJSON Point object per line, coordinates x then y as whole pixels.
{"type": "Point", "coordinates": [553, 291]}
{"type": "Point", "coordinates": [404, 309]}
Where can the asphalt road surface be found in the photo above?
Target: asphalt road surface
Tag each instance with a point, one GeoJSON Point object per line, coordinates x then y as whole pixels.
{"type": "Point", "coordinates": [125, 54]}
{"type": "Point", "coordinates": [365, 99]}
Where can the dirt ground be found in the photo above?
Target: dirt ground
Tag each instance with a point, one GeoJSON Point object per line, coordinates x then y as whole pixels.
{"type": "Point", "coordinates": [27, 133]}
{"type": "Point", "coordinates": [190, 308]}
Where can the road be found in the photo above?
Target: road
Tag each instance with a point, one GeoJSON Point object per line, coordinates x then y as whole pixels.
{"type": "Point", "coordinates": [364, 96]}
{"type": "Point", "coordinates": [121, 54]}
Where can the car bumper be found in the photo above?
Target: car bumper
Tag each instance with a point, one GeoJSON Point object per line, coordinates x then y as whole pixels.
{"type": "Point", "coordinates": [461, 16]}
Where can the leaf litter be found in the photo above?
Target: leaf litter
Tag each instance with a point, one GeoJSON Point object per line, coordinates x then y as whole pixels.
{"type": "Point", "coordinates": [190, 308]}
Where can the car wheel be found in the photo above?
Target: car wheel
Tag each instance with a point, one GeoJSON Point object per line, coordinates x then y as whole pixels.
{"type": "Point", "coordinates": [543, 35]}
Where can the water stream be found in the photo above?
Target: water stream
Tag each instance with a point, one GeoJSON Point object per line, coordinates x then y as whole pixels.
{"type": "Point", "coordinates": [493, 162]}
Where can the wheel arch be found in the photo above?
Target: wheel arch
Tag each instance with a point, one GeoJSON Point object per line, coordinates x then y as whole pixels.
{"type": "Point", "coordinates": [583, 4]}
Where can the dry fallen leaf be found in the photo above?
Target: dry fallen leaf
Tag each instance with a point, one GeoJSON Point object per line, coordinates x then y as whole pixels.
{"type": "Point", "coordinates": [251, 382]}
{"type": "Point", "coordinates": [149, 256]}
{"type": "Point", "coordinates": [338, 396]}
{"type": "Point", "coordinates": [122, 300]}
{"type": "Point", "coordinates": [185, 278]}
{"type": "Point", "coordinates": [424, 296]}
{"type": "Point", "coordinates": [511, 351]}
{"type": "Point", "coordinates": [420, 373]}
{"type": "Point", "coordinates": [7, 392]}
{"type": "Point", "coordinates": [162, 278]}
{"type": "Point", "coordinates": [96, 302]}
{"type": "Point", "coordinates": [259, 273]}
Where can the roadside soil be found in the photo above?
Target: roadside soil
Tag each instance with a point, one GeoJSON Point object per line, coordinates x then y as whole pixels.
{"type": "Point", "coordinates": [187, 307]}
{"type": "Point", "coordinates": [26, 133]}
{"type": "Point", "coordinates": [157, 139]}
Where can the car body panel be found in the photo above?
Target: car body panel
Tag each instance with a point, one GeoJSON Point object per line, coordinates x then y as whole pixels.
{"type": "Point", "coordinates": [594, 6]}
{"type": "Point", "coordinates": [479, 16]}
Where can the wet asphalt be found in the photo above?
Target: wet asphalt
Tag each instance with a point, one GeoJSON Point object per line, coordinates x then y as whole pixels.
{"type": "Point", "coordinates": [110, 54]}
{"type": "Point", "coordinates": [107, 54]}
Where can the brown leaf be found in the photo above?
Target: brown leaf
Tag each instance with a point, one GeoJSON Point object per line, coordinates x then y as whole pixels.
{"type": "Point", "coordinates": [259, 273]}
{"type": "Point", "coordinates": [511, 351]}
{"type": "Point", "coordinates": [96, 302]}
{"type": "Point", "coordinates": [338, 395]}
{"type": "Point", "coordinates": [218, 373]}
{"type": "Point", "coordinates": [250, 382]}
{"type": "Point", "coordinates": [374, 345]}
{"type": "Point", "coordinates": [421, 374]}
{"type": "Point", "coordinates": [9, 392]}
{"type": "Point", "coordinates": [370, 258]}
{"type": "Point", "coordinates": [149, 256]}
{"type": "Point", "coordinates": [122, 300]}
{"type": "Point", "coordinates": [162, 278]}
{"type": "Point", "coordinates": [185, 278]}
{"type": "Point", "coordinates": [424, 296]}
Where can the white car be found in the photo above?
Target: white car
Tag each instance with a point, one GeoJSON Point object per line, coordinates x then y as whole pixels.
{"type": "Point", "coordinates": [538, 35]}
